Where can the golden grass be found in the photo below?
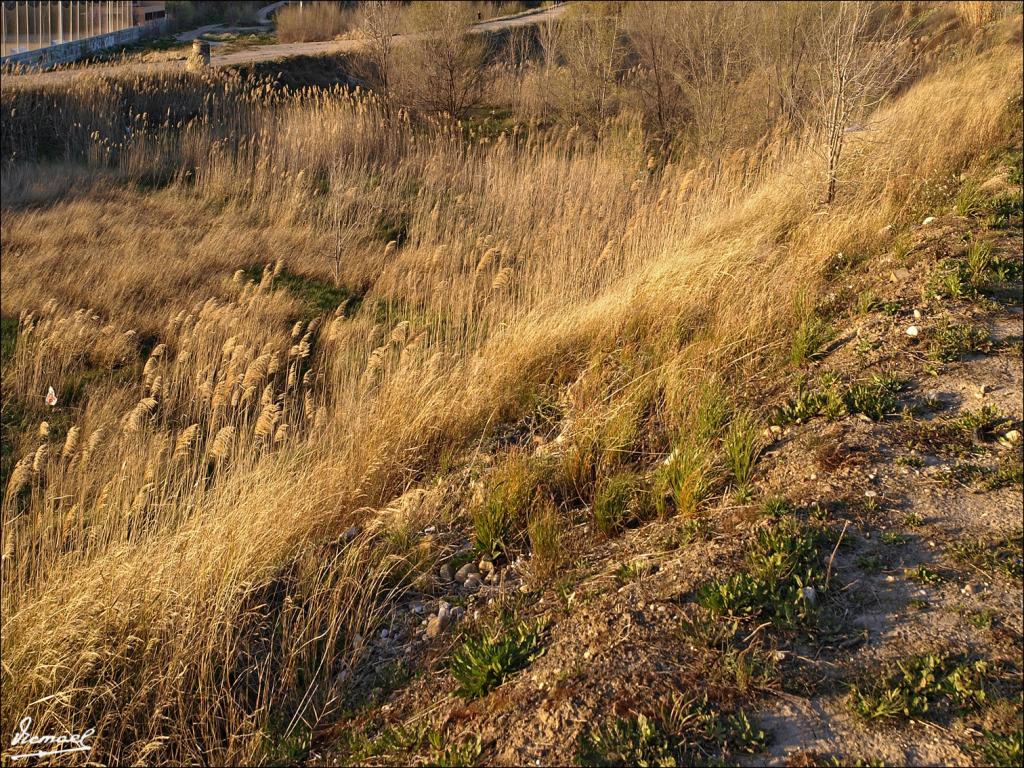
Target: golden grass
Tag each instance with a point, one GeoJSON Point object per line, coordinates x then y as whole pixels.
{"type": "Point", "coordinates": [174, 572]}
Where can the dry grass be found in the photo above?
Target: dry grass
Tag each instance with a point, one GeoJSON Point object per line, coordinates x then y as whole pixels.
{"type": "Point", "coordinates": [314, 21]}
{"type": "Point", "coordinates": [174, 572]}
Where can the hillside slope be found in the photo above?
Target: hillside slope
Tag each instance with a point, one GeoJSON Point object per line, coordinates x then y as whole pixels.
{"type": "Point", "coordinates": [377, 444]}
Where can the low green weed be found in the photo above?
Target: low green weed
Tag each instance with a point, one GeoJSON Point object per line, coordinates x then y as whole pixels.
{"type": "Point", "coordinates": [686, 732]}
{"type": "Point", "coordinates": [781, 583]}
{"type": "Point", "coordinates": [952, 341]}
{"type": "Point", "coordinates": [484, 662]}
{"type": "Point", "coordinates": [915, 688]}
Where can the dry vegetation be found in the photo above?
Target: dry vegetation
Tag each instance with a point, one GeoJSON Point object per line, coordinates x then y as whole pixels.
{"type": "Point", "coordinates": [269, 314]}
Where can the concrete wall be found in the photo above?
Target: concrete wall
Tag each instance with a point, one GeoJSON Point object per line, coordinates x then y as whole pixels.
{"type": "Point", "coordinates": [65, 53]}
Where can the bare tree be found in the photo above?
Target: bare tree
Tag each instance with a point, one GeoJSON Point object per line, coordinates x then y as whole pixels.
{"type": "Point", "coordinates": [380, 22]}
{"type": "Point", "coordinates": [592, 46]}
{"type": "Point", "coordinates": [780, 41]}
{"type": "Point", "coordinates": [858, 61]}
{"type": "Point", "coordinates": [442, 69]}
{"type": "Point", "coordinates": [648, 25]}
{"type": "Point", "coordinates": [711, 59]}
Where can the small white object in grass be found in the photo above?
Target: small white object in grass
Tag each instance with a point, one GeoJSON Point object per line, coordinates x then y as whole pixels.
{"type": "Point", "coordinates": [51, 397]}
{"type": "Point", "coordinates": [1013, 436]}
{"type": "Point", "coordinates": [912, 331]}
{"type": "Point", "coordinates": [917, 314]}
{"type": "Point", "coordinates": [871, 494]}
{"type": "Point", "coordinates": [927, 221]}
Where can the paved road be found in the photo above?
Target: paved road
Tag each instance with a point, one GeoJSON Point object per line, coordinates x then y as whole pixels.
{"type": "Point", "coordinates": [265, 52]}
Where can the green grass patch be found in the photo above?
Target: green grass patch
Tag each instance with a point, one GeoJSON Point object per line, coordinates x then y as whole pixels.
{"type": "Point", "coordinates": [812, 334]}
{"type": "Point", "coordinates": [922, 574]}
{"type": "Point", "coordinates": [319, 296]}
{"type": "Point", "coordinates": [1002, 749]}
{"type": "Point", "coordinates": [686, 479]}
{"type": "Point", "coordinates": [511, 491]}
{"type": "Point", "coordinates": [8, 338]}
{"type": "Point", "coordinates": [486, 661]}
{"type": "Point", "coordinates": [408, 744]}
{"type": "Point", "coordinates": [619, 501]}
{"type": "Point", "coordinates": [743, 446]}
{"type": "Point", "coordinates": [1005, 211]}
{"type": "Point", "coordinates": [976, 273]}
{"type": "Point", "coordinates": [922, 688]}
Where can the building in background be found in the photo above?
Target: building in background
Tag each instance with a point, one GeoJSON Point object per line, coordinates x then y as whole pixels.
{"type": "Point", "coordinates": [35, 25]}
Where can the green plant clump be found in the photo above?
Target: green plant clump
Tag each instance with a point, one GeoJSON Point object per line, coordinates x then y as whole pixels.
{"type": "Point", "coordinates": [782, 581]}
{"type": "Point", "coordinates": [686, 732]}
{"type": "Point", "coordinates": [483, 663]}
{"type": "Point", "coordinates": [921, 684]}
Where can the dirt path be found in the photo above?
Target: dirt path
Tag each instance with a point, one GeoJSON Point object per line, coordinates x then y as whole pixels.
{"type": "Point", "coordinates": [260, 53]}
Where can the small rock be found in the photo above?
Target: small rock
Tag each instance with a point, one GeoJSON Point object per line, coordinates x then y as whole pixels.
{"type": "Point", "coordinates": [445, 572]}
{"type": "Point", "coordinates": [810, 595]}
{"type": "Point", "coordinates": [443, 609]}
{"type": "Point", "coordinates": [473, 581]}
{"type": "Point", "coordinates": [871, 494]}
{"type": "Point", "coordinates": [928, 220]}
{"type": "Point", "coordinates": [913, 331]}
{"type": "Point", "coordinates": [465, 572]}
{"type": "Point", "coordinates": [899, 275]}
{"type": "Point", "coordinates": [917, 314]}
{"type": "Point", "coordinates": [384, 634]}
{"type": "Point", "coordinates": [1013, 436]}
{"type": "Point", "coordinates": [350, 534]}
{"type": "Point", "coordinates": [486, 566]}
{"type": "Point", "coordinates": [435, 627]}
{"type": "Point", "coordinates": [983, 390]}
